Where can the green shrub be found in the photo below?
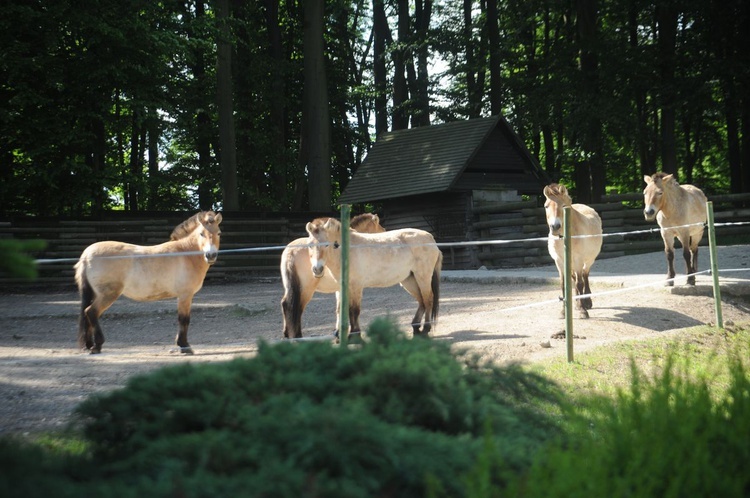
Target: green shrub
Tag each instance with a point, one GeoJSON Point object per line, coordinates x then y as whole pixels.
{"type": "Point", "coordinates": [666, 437]}
{"type": "Point", "coordinates": [311, 419]}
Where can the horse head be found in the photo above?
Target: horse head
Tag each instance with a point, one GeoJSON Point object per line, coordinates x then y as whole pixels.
{"type": "Point", "coordinates": [325, 236]}
{"type": "Point", "coordinates": [367, 223]}
{"type": "Point", "coordinates": [209, 235]}
{"type": "Point", "coordinates": [653, 194]}
{"type": "Point", "coordinates": [557, 198]}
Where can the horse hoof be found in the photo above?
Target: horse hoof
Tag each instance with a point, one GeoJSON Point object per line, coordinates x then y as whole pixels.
{"type": "Point", "coordinates": [583, 314]}
{"type": "Point", "coordinates": [95, 351]}
{"type": "Point", "coordinates": [669, 283]}
{"type": "Point", "coordinates": [186, 350]}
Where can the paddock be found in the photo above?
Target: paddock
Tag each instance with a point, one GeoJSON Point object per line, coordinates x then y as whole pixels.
{"type": "Point", "coordinates": [503, 315]}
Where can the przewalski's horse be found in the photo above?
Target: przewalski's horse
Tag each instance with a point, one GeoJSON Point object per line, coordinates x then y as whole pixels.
{"type": "Point", "coordinates": [680, 211]}
{"type": "Point", "coordinates": [299, 283]}
{"type": "Point", "coordinates": [408, 256]}
{"type": "Point", "coordinates": [106, 270]}
{"type": "Point", "coordinates": [583, 221]}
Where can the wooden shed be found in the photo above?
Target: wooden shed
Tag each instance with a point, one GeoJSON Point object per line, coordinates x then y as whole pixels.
{"type": "Point", "coordinates": [432, 177]}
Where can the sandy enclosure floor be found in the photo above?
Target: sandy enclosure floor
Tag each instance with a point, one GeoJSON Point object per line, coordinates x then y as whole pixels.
{"type": "Point", "coordinates": [502, 315]}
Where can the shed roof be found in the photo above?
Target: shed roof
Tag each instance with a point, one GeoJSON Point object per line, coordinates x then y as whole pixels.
{"type": "Point", "coordinates": [427, 159]}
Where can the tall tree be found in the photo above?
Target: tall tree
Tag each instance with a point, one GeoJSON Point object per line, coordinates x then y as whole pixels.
{"type": "Point", "coordinates": [228, 148]}
{"type": "Point", "coordinates": [315, 112]}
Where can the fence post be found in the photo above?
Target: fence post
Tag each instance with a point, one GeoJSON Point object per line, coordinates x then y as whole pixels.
{"type": "Point", "coordinates": [714, 263]}
{"type": "Point", "coordinates": [344, 292]}
{"type": "Point", "coordinates": [568, 283]}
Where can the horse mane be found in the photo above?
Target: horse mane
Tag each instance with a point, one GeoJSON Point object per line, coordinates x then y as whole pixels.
{"type": "Point", "coordinates": [659, 176]}
{"type": "Point", "coordinates": [186, 227]}
{"type": "Point", "coordinates": [559, 192]}
{"type": "Point", "coordinates": [363, 219]}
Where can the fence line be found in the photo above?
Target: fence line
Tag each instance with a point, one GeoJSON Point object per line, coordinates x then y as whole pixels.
{"type": "Point", "coordinates": [439, 244]}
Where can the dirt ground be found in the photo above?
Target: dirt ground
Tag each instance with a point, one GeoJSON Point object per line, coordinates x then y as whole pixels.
{"type": "Point", "coordinates": [505, 316]}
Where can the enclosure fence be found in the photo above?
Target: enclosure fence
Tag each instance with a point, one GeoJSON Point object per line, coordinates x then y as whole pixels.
{"type": "Point", "coordinates": [568, 295]}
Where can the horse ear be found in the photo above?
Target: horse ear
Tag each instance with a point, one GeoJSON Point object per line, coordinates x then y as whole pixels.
{"type": "Point", "coordinates": [218, 218]}
{"type": "Point", "coordinates": [563, 190]}
{"type": "Point", "coordinates": [647, 179]}
{"type": "Point", "coordinates": [669, 178]}
{"type": "Point", "coordinates": [330, 224]}
{"type": "Point", "coordinates": [547, 191]}
{"type": "Point", "coordinates": [375, 218]}
{"type": "Point", "coordinates": [309, 228]}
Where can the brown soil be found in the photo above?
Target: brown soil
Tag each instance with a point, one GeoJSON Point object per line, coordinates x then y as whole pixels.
{"type": "Point", "coordinates": [43, 375]}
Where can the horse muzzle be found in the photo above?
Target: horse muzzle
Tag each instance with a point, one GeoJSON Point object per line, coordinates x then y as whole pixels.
{"type": "Point", "coordinates": [211, 257]}
{"type": "Point", "coordinates": [318, 271]}
{"type": "Point", "coordinates": [649, 213]}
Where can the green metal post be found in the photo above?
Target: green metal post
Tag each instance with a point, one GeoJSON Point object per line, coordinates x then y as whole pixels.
{"type": "Point", "coordinates": [344, 292]}
{"type": "Point", "coordinates": [714, 263]}
{"type": "Point", "coordinates": [568, 283]}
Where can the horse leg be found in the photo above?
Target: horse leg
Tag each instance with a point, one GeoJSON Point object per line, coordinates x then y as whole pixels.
{"type": "Point", "coordinates": [85, 328]}
{"type": "Point", "coordinates": [183, 319]}
{"type": "Point", "coordinates": [579, 283]}
{"type": "Point", "coordinates": [412, 287]}
{"type": "Point", "coordinates": [92, 313]}
{"type": "Point", "coordinates": [355, 305]}
{"type": "Point", "coordinates": [669, 251]}
{"type": "Point", "coordinates": [586, 302]}
{"type": "Point", "coordinates": [690, 253]}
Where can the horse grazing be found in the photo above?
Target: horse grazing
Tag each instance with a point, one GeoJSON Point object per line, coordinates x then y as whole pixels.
{"type": "Point", "coordinates": [680, 211]}
{"type": "Point", "coordinates": [408, 256]}
{"type": "Point", "coordinates": [299, 283]}
{"type": "Point", "coordinates": [583, 221]}
{"type": "Point", "coordinates": [106, 270]}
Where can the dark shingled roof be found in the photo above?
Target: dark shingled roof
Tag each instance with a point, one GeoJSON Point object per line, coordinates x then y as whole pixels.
{"type": "Point", "coordinates": [427, 159]}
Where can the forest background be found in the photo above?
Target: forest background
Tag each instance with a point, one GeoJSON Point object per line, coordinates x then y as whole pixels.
{"type": "Point", "coordinates": [272, 106]}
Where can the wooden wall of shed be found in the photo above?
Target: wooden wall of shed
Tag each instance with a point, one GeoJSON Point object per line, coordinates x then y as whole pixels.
{"type": "Point", "coordinates": [445, 215]}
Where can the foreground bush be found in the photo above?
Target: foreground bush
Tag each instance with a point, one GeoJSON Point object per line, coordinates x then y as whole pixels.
{"type": "Point", "coordinates": [665, 437]}
{"type": "Point", "coordinates": [391, 418]}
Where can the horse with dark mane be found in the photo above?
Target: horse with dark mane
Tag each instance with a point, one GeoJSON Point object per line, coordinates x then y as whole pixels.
{"type": "Point", "coordinates": [299, 283]}
{"type": "Point", "coordinates": [680, 211]}
{"type": "Point", "coordinates": [408, 256]}
{"type": "Point", "coordinates": [108, 269]}
{"type": "Point", "coordinates": [586, 241]}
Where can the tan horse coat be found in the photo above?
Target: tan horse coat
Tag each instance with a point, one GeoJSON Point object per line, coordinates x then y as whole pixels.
{"type": "Point", "coordinates": [299, 283]}
{"type": "Point", "coordinates": [674, 206]}
{"type": "Point", "coordinates": [408, 256]}
{"type": "Point", "coordinates": [107, 270]}
{"type": "Point", "coordinates": [584, 221]}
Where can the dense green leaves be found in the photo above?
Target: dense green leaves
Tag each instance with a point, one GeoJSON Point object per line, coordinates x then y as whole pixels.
{"type": "Point", "coordinates": [113, 105]}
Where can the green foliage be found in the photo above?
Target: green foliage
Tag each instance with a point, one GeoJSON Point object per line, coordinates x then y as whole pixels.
{"type": "Point", "coordinates": [664, 437]}
{"type": "Point", "coordinates": [16, 261]}
{"type": "Point", "coordinates": [331, 421]}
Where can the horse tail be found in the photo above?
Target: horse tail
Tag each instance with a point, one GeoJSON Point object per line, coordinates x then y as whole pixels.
{"type": "Point", "coordinates": [87, 298]}
{"type": "Point", "coordinates": [436, 287]}
{"type": "Point", "coordinates": [291, 303]}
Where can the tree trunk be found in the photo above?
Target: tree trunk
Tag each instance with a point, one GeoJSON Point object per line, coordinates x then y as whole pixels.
{"type": "Point", "coordinates": [135, 160]}
{"type": "Point", "coordinates": [225, 95]}
{"type": "Point", "coordinates": [316, 112]}
{"type": "Point", "coordinates": [591, 136]}
{"type": "Point", "coordinates": [400, 89]}
{"type": "Point", "coordinates": [380, 35]}
{"type": "Point", "coordinates": [277, 114]}
{"type": "Point", "coordinates": [423, 13]}
{"type": "Point", "coordinates": [666, 18]}
{"type": "Point", "coordinates": [153, 158]}
{"type": "Point", "coordinates": [493, 35]}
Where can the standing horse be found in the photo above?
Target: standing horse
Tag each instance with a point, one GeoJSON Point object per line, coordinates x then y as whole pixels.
{"type": "Point", "coordinates": [584, 250]}
{"type": "Point", "coordinates": [408, 256]}
{"type": "Point", "coordinates": [680, 211]}
{"type": "Point", "coordinates": [299, 282]}
{"type": "Point", "coordinates": [106, 270]}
